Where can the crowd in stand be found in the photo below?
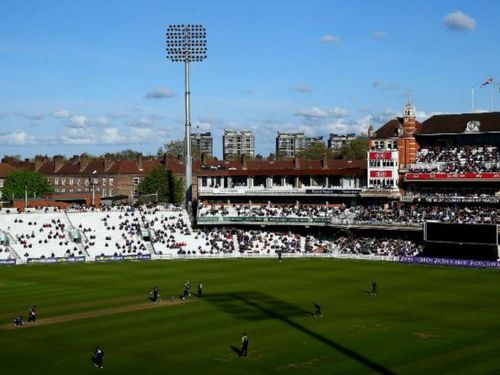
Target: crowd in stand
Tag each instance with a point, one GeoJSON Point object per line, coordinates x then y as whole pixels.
{"type": "Point", "coordinates": [120, 230]}
{"type": "Point", "coordinates": [274, 210]}
{"type": "Point", "coordinates": [120, 234]}
{"type": "Point", "coordinates": [458, 159]}
{"type": "Point", "coordinates": [376, 246]}
{"type": "Point", "coordinates": [268, 242]}
{"type": "Point", "coordinates": [405, 214]}
{"type": "Point", "coordinates": [413, 214]}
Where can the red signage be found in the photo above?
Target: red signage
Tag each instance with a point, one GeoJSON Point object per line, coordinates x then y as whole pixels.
{"type": "Point", "coordinates": [381, 174]}
{"type": "Point", "coordinates": [452, 176]}
{"type": "Point", "coordinates": [386, 155]}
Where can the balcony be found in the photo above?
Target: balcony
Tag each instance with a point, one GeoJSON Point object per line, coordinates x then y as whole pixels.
{"type": "Point", "coordinates": [335, 191]}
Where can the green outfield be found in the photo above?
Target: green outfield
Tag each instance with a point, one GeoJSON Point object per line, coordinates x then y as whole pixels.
{"type": "Point", "coordinates": [425, 320]}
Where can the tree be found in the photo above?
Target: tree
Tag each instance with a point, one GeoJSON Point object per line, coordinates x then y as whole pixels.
{"type": "Point", "coordinates": [21, 180]}
{"type": "Point", "coordinates": [127, 154]}
{"type": "Point", "coordinates": [355, 149]}
{"type": "Point", "coordinates": [316, 151]}
{"type": "Point", "coordinates": [163, 182]}
{"type": "Point", "coordinates": [173, 149]}
{"type": "Point", "coordinates": [176, 186]}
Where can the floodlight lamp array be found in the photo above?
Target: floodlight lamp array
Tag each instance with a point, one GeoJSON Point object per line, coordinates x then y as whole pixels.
{"type": "Point", "coordinates": [186, 43]}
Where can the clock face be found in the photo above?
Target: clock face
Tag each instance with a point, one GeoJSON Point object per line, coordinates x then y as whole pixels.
{"type": "Point", "coordinates": [472, 126]}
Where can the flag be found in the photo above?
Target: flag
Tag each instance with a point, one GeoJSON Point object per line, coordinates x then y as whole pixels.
{"type": "Point", "coordinates": [489, 81]}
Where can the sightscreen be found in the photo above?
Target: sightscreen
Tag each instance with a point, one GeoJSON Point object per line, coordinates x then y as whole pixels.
{"type": "Point", "coordinates": [484, 234]}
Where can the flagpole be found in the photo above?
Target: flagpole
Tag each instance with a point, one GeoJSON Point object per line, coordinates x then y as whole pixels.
{"type": "Point", "coordinates": [491, 97]}
{"type": "Point", "coordinates": [472, 98]}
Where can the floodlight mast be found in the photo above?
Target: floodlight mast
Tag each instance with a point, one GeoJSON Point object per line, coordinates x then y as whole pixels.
{"type": "Point", "coordinates": [187, 43]}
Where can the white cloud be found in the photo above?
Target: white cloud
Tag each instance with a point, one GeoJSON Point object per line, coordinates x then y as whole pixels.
{"type": "Point", "coordinates": [339, 112]}
{"type": "Point", "coordinates": [159, 93]}
{"type": "Point", "coordinates": [302, 89]}
{"type": "Point", "coordinates": [202, 125]}
{"type": "Point", "coordinates": [113, 136]}
{"type": "Point", "coordinates": [379, 34]}
{"type": "Point", "coordinates": [29, 115]}
{"type": "Point", "coordinates": [385, 86]}
{"type": "Point", "coordinates": [331, 39]}
{"type": "Point", "coordinates": [312, 113]}
{"type": "Point", "coordinates": [19, 138]}
{"type": "Point", "coordinates": [458, 21]}
{"type": "Point", "coordinates": [78, 121]}
{"type": "Point", "coordinates": [61, 114]}
{"type": "Point", "coordinates": [315, 113]}
{"type": "Point", "coordinates": [103, 121]}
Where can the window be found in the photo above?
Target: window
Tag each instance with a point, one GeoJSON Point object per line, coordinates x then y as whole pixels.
{"type": "Point", "coordinates": [110, 192]}
{"type": "Point", "coordinates": [136, 180]}
{"type": "Point", "coordinates": [95, 181]}
{"type": "Point", "coordinates": [63, 190]}
{"type": "Point", "coordinates": [111, 182]}
{"type": "Point", "coordinates": [1, 183]}
{"type": "Point", "coordinates": [56, 181]}
{"type": "Point", "coordinates": [78, 181]}
{"type": "Point", "coordinates": [86, 182]}
{"type": "Point", "coordinates": [104, 181]}
{"type": "Point", "coordinates": [71, 181]}
{"type": "Point", "coordinates": [63, 181]}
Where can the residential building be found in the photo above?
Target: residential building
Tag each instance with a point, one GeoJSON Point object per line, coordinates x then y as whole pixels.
{"type": "Point", "coordinates": [336, 141]}
{"type": "Point", "coordinates": [237, 143]}
{"type": "Point", "coordinates": [202, 143]}
{"type": "Point", "coordinates": [290, 144]}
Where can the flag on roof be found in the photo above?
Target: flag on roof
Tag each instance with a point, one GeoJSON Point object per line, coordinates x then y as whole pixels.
{"type": "Point", "coordinates": [489, 81]}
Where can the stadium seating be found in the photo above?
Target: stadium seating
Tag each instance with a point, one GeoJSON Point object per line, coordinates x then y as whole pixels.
{"type": "Point", "coordinates": [458, 159]}
{"type": "Point", "coordinates": [39, 234]}
{"type": "Point", "coordinates": [110, 232]}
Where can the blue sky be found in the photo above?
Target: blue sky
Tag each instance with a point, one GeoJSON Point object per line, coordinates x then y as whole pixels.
{"type": "Point", "coordinates": [91, 76]}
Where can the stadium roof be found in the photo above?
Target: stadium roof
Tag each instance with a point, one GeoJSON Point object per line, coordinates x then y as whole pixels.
{"type": "Point", "coordinates": [461, 123]}
{"type": "Point", "coordinates": [390, 129]}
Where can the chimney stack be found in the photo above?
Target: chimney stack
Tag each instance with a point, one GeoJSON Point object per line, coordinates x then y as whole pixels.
{"type": "Point", "coordinates": [140, 163]}
{"type": "Point", "coordinates": [296, 162]}
{"type": "Point", "coordinates": [39, 161]}
{"type": "Point", "coordinates": [58, 162]}
{"type": "Point", "coordinates": [84, 161]}
{"type": "Point", "coordinates": [243, 159]}
{"type": "Point", "coordinates": [108, 162]}
{"type": "Point", "coordinates": [323, 162]}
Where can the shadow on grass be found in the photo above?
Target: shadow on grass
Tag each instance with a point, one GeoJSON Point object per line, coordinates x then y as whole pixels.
{"type": "Point", "coordinates": [236, 350]}
{"type": "Point", "coordinates": [259, 306]}
{"type": "Point", "coordinates": [365, 291]}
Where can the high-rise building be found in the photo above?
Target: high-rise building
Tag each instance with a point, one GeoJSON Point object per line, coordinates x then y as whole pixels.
{"type": "Point", "coordinates": [202, 143]}
{"type": "Point", "coordinates": [336, 141]}
{"type": "Point", "coordinates": [237, 143]}
{"type": "Point", "coordinates": [290, 144]}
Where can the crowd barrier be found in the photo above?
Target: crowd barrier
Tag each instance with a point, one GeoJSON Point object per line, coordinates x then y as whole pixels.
{"type": "Point", "coordinates": [468, 263]}
{"type": "Point", "coordinates": [114, 258]}
{"type": "Point", "coordinates": [7, 262]}
{"type": "Point", "coordinates": [265, 255]}
{"type": "Point", "coordinates": [56, 260]}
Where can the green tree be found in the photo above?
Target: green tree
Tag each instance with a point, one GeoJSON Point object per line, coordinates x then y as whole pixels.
{"type": "Point", "coordinates": [316, 151]}
{"type": "Point", "coordinates": [173, 149]}
{"type": "Point", "coordinates": [127, 154]}
{"type": "Point", "coordinates": [22, 180]}
{"type": "Point", "coordinates": [176, 187]}
{"type": "Point", "coordinates": [354, 150]}
{"type": "Point", "coordinates": [163, 182]}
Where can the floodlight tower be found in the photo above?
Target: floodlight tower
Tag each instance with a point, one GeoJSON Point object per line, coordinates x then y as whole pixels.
{"type": "Point", "coordinates": [187, 43]}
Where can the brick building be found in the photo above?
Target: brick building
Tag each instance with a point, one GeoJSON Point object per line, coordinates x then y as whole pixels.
{"type": "Point", "coordinates": [398, 135]}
